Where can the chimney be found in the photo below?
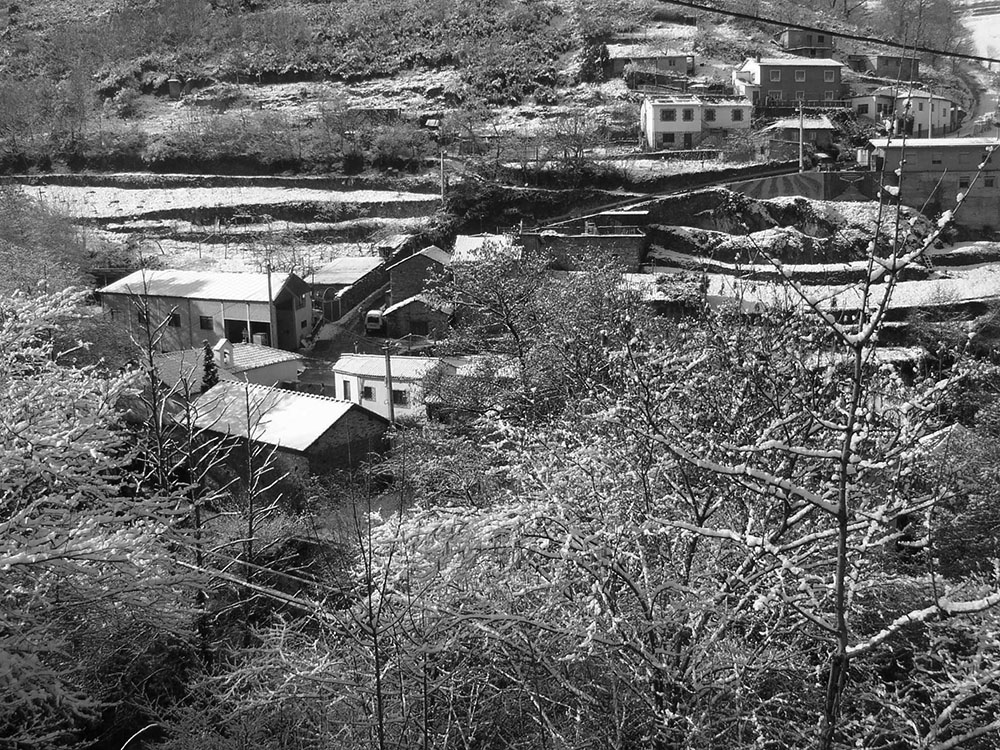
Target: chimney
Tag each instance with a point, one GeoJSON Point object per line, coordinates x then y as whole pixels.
{"type": "Point", "coordinates": [223, 352]}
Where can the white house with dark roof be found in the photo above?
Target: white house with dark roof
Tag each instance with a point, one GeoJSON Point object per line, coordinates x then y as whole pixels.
{"type": "Point", "coordinates": [683, 121]}
{"type": "Point", "coordinates": [188, 307]}
{"type": "Point", "coordinates": [309, 433]}
{"type": "Point", "coordinates": [361, 378]}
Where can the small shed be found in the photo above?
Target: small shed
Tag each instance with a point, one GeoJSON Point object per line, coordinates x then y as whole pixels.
{"type": "Point", "coordinates": [311, 434]}
{"type": "Point", "coordinates": [417, 316]}
{"type": "Point", "coordinates": [344, 283]}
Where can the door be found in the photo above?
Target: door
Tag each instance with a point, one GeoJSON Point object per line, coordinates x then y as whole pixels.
{"type": "Point", "coordinates": [688, 140]}
{"type": "Point", "coordinates": [347, 390]}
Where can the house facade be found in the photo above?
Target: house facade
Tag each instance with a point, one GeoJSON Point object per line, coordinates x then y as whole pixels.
{"type": "Point", "coordinates": [925, 114]}
{"type": "Point", "coordinates": [937, 169]}
{"type": "Point", "coordinates": [805, 43]}
{"type": "Point", "coordinates": [409, 276]}
{"type": "Point", "coordinates": [897, 67]}
{"type": "Point", "coordinates": [310, 434]}
{"type": "Point", "coordinates": [817, 131]}
{"type": "Point", "coordinates": [775, 80]}
{"type": "Point", "coordinates": [417, 316]}
{"type": "Point", "coordinates": [189, 307]}
{"type": "Point", "coordinates": [649, 57]}
{"type": "Point", "coordinates": [361, 379]}
{"type": "Point", "coordinates": [877, 105]}
{"type": "Point", "coordinates": [683, 122]}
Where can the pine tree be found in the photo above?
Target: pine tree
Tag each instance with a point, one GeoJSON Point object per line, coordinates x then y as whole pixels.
{"type": "Point", "coordinates": [211, 376]}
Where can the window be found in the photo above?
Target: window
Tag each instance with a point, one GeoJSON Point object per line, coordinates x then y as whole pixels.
{"type": "Point", "coordinates": [672, 62]}
{"type": "Point", "coordinates": [400, 398]}
{"type": "Point", "coordinates": [775, 75]}
{"type": "Point", "coordinates": [820, 39]}
{"type": "Point", "coordinates": [140, 314]}
{"type": "Point", "coordinates": [935, 157]}
{"type": "Point", "coordinates": [800, 95]}
{"type": "Point", "coordinates": [775, 95]}
{"type": "Point", "coordinates": [668, 115]}
{"type": "Point", "coordinates": [303, 324]}
{"type": "Point", "coordinates": [963, 182]}
{"type": "Point", "coordinates": [737, 115]}
{"type": "Point", "coordinates": [809, 39]}
{"type": "Point", "coordinates": [206, 323]}
{"type": "Point", "coordinates": [828, 96]}
{"type": "Point", "coordinates": [347, 390]}
{"type": "Point", "coordinates": [668, 137]}
{"type": "Point", "coordinates": [829, 76]}
{"type": "Point", "coordinates": [800, 75]}
{"type": "Point", "coordinates": [174, 321]}
{"type": "Point", "coordinates": [862, 109]}
{"type": "Point", "coordinates": [300, 302]}
{"type": "Point", "coordinates": [367, 393]}
{"type": "Point", "coordinates": [418, 327]}
{"type": "Point", "coordinates": [709, 115]}
{"type": "Point", "coordinates": [990, 181]}
{"type": "Point", "coordinates": [687, 115]}
{"type": "Point", "coordinates": [921, 106]}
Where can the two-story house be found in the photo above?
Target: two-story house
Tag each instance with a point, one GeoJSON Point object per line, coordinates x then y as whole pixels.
{"type": "Point", "coordinates": [680, 122]}
{"type": "Point", "coordinates": [925, 114]}
{"type": "Point", "coordinates": [186, 308]}
{"type": "Point", "coordinates": [937, 169]}
{"type": "Point", "coordinates": [805, 43]}
{"type": "Point", "coordinates": [777, 80]}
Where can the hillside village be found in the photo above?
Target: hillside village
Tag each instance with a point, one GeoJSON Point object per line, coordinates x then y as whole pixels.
{"type": "Point", "coordinates": [502, 374]}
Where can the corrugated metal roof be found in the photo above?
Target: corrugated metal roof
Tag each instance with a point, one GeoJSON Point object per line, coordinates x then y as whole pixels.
{"type": "Point", "coordinates": [431, 251]}
{"type": "Point", "coordinates": [373, 366]}
{"type": "Point", "coordinates": [914, 142]}
{"type": "Point", "coordinates": [236, 287]}
{"type": "Point", "coordinates": [288, 419]}
{"type": "Point", "coordinates": [346, 271]}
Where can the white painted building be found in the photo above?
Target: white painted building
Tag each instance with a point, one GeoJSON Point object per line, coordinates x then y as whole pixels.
{"type": "Point", "coordinates": [361, 379]}
{"type": "Point", "coordinates": [683, 121]}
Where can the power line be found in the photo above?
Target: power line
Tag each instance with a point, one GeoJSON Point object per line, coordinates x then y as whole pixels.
{"type": "Point", "coordinates": [841, 34]}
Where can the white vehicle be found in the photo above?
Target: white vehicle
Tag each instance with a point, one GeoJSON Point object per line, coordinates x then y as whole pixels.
{"type": "Point", "coordinates": [374, 323]}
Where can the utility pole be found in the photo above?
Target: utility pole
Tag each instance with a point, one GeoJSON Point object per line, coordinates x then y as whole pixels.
{"type": "Point", "coordinates": [802, 138]}
{"type": "Point", "coordinates": [442, 175]}
{"type": "Point", "coordinates": [388, 383]}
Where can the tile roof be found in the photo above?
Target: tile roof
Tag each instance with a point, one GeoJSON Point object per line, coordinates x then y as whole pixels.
{"type": "Point", "coordinates": [237, 287]}
{"type": "Point", "coordinates": [188, 363]}
{"type": "Point", "coordinates": [431, 251]}
{"type": "Point", "coordinates": [288, 419]}
{"type": "Point", "coordinates": [373, 366]}
{"type": "Point", "coordinates": [185, 365]}
{"type": "Point", "coordinates": [345, 271]}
